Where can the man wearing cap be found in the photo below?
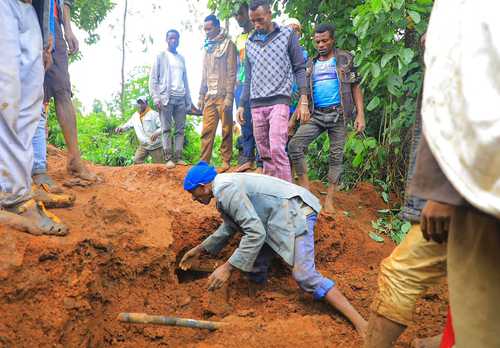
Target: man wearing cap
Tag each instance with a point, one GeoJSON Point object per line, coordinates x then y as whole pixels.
{"type": "Point", "coordinates": [275, 217]}
{"type": "Point", "coordinates": [147, 126]}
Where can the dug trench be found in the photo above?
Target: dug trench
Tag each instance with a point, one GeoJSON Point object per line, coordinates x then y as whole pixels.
{"type": "Point", "coordinates": [127, 236]}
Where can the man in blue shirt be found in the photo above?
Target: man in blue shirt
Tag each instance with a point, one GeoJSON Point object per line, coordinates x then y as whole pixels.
{"type": "Point", "coordinates": [333, 86]}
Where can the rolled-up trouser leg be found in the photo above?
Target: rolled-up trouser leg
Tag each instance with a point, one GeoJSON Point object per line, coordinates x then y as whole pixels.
{"type": "Point", "coordinates": [304, 269]}
{"type": "Point", "coordinates": [474, 278]}
{"type": "Point", "coordinates": [21, 94]}
{"type": "Point", "coordinates": [40, 147]}
{"type": "Point", "coordinates": [413, 266]}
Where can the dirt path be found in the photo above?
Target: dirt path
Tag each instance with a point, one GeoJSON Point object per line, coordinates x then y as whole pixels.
{"type": "Point", "coordinates": [127, 235]}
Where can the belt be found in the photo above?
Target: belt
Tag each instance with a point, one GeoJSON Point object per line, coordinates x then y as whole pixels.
{"type": "Point", "coordinates": [330, 109]}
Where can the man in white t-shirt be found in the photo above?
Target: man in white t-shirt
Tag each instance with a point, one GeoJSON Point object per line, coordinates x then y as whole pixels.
{"type": "Point", "coordinates": [147, 126]}
{"type": "Point", "coordinates": [168, 85]}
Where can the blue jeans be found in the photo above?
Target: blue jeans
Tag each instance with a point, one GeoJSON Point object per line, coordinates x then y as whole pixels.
{"type": "Point", "coordinates": [304, 270]}
{"type": "Point", "coordinates": [250, 152]}
{"type": "Point", "coordinates": [40, 147]}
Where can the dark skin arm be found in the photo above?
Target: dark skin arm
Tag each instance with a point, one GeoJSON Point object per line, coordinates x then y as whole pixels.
{"type": "Point", "coordinates": [435, 221]}
{"type": "Point", "coordinates": [359, 123]}
{"type": "Point", "coordinates": [71, 40]}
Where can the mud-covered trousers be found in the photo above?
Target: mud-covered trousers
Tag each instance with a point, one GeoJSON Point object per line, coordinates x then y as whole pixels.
{"type": "Point", "coordinates": [21, 95]}
{"type": "Point", "coordinates": [304, 269]}
{"type": "Point", "coordinates": [331, 122]}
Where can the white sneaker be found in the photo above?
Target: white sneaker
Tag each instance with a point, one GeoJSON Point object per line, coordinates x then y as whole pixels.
{"type": "Point", "coordinates": [170, 165]}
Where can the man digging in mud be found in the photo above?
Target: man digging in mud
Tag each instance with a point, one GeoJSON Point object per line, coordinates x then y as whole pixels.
{"type": "Point", "coordinates": [274, 216]}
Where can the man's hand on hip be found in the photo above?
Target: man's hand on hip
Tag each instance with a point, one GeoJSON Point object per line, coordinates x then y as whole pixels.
{"type": "Point", "coordinates": [435, 221]}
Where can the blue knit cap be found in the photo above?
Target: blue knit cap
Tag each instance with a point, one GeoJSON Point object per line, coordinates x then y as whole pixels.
{"type": "Point", "coordinates": [200, 174]}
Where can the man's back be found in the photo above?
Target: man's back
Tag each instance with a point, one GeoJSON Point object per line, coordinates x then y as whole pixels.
{"type": "Point", "coordinates": [255, 185]}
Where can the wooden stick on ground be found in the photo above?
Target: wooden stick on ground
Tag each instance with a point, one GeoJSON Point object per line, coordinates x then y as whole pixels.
{"type": "Point", "coordinates": [143, 318]}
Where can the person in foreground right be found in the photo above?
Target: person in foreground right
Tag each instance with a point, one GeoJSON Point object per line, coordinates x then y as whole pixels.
{"type": "Point", "coordinates": [458, 165]}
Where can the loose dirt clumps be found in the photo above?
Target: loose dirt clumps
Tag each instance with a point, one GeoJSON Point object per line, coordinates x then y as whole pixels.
{"type": "Point", "coordinates": [126, 238]}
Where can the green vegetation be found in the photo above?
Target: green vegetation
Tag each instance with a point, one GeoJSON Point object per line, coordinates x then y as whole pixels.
{"type": "Point", "coordinates": [384, 36]}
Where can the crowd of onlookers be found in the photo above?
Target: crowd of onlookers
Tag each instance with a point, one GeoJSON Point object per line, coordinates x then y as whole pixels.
{"type": "Point", "coordinates": [284, 99]}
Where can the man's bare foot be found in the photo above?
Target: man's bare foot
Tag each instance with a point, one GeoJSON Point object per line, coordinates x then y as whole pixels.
{"type": "Point", "coordinates": [329, 206]}
{"type": "Point", "coordinates": [181, 163]}
{"type": "Point", "coordinates": [225, 167]}
{"type": "Point", "coordinates": [77, 169]}
{"type": "Point", "coordinates": [428, 342]}
{"type": "Point", "coordinates": [258, 170]}
{"type": "Point", "coordinates": [33, 216]}
{"type": "Point", "coordinates": [48, 184]}
{"type": "Point", "coordinates": [244, 167]}
{"type": "Point", "coordinates": [52, 200]}
{"type": "Point", "coordinates": [362, 328]}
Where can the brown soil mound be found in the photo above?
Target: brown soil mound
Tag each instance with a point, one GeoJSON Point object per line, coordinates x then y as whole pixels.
{"type": "Point", "coordinates": [126, 237]}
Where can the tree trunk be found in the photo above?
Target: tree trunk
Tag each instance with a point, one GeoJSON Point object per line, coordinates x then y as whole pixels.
{"type": "Point", "coordinates": [122, 94]}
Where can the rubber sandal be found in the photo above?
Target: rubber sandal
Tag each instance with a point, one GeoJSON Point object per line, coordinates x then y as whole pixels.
{"type": "Point", "coordinates": [35, 212]}
{"type": "Point", "coordinates": [47, 183]}
{"type": "Point", "coordinates": [42, 194]}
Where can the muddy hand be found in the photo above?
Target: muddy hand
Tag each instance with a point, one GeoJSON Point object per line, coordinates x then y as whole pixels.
{"type": "Point", "coordinates": [189, 257]}
{"type": "Point", "coordinates": [219, 276]}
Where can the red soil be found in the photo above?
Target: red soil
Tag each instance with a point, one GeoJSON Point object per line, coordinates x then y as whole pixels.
{"type": "Point", "coordinates": [127, 235]}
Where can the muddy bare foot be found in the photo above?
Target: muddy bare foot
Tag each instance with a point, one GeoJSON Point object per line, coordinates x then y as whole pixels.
{"type": "Point", "coordinates": [19, 223]}
{"type": "Point", "coordinates": [47, 183]}
{"type": "Point", "coordinates": [77, 169]}
{"type": "Point", "coordinates": [244, 167]}
{"type": "Point", "coordinates": [362, 329]}
{"type": "Point", "coordinates": [224, 168]}
{"type": "Point", "coordinates": [259, 170]}
{"type": "Point", "coordinates": [429, 342]}
{"type": "Point", "coordinates": [35, 218]}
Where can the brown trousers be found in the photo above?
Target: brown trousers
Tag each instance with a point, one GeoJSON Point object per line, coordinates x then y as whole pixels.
{"type": "Point", "coordinates": [474, 278]}
{"type": "Point", "coordinates": [141, 153]}
{"type": "Point", "coordinates": [213, 111]}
